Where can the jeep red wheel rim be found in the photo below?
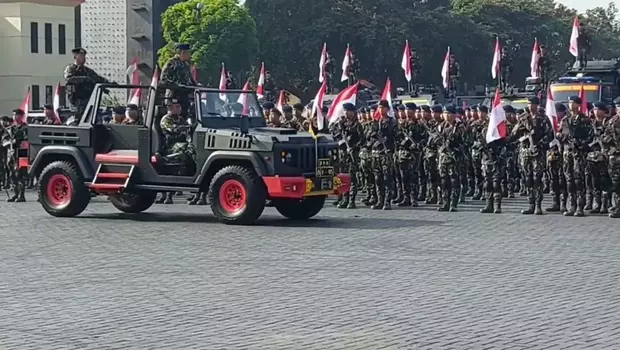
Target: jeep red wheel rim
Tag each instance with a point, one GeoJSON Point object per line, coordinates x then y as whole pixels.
{"type": "Point", "coordinates": [233, 196]}
{"type": "Point", "coordinates": [59, 190]}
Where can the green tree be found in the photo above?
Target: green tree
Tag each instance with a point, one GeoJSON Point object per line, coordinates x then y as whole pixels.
{"type": "Point", "coordinates": [220, 31]}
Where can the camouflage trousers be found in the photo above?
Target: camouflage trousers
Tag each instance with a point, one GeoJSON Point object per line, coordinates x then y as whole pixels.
{"type": "Point", "coordinates": [557, 179]}
{"type": "Point", "coordinates": [18, 178]}
{"type": "Point", "coordinates": [450, 179]}
{"type": "Point", "coordinates": [601, 181]}
{"type": "Point", "coordinates": [493, 172]}
{"type": "Point", "coordinates": [408, 169]}
{"type": "Point", "coordinates": [574, 163]}
{"type": "Point", "coordinates": [476, 160]}
{"type": "Point", "coordinates": [613, 168]}
{"type": "Point", "coordinates": [367, 173]}
{"type": "Point", "coordinates": [433, 179]}
{"type": "Point", "coordinates": [532, 168]}
{"type": "Point", "coordinates": [352, 165]}
{"type": "Point", "coordinates": [185, 148]}
{"type": "Point", "coordinates": [383, 172]}
{"type": "Point", "coordinates": [398, 189]}
{"type": "Point", "coordinates": [78, 106]}
{"type": "Point", "coordinates": [510, 176]}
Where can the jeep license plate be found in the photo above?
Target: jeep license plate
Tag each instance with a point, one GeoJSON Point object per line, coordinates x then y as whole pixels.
{"type": "Point", "coordinates": [326, 184]}
{"type": "Point", "coordinates": [324, 168]}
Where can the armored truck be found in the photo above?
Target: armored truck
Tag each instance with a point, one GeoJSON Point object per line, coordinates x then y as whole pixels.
{"type": "Point", "coordinates": [240, 161]}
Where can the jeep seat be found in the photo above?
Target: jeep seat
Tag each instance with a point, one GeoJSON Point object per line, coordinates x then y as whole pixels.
{"type": "Point", "coordinates": [169, 164]}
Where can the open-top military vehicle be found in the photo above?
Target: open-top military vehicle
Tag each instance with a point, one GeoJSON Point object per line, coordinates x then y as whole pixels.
{"type": "Point", "coordinates": [240, 162]}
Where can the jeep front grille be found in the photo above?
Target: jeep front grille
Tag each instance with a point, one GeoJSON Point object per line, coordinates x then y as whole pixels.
{"type": "Point", "coordinates": [303, 157]}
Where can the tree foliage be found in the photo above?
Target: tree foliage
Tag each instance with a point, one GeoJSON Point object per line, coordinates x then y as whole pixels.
{"type": "Point", "coordinates": [291, 34]}
{"type": "Point", "coordinates": [221, 31]}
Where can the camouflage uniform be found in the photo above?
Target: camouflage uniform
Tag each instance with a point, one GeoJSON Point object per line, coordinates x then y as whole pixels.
{"type": "Point", "coordinates": [411, 139]}
{"type": "Point", "coordinates": [576, 134]}
{"type": "Point", "coordinates": [450, 136]}
{"type": "Point", "coordinates": [493, 170]}
{"type": "Point", "coordinates": [383, 137]}
{"type": "Point", "coordinates": [430, 163]}
{"type": "Point", "coordinates": [178, 72]}
{"type": "Point", "coordinates": [366, 169]}
{"type": "Point", "coordinates": [478, 133]}
{"type": "Point", "coordinates": [611, 142]}
{"type": "Point", "coordinates": [177, 136]}
{"type": "Point", "coordinates": [79, 84]}
{"type": "Point", "coordinates": [18, 177]}
{"type": "Point", "coordinates": [353, 137]}
{"type": "Point", "coordinates": [334, 129]}
{"type": "Point", "coordinates": [597, 168]}
{"type": "Point", "coordinates": [559, 195]}
{"type": "Point", "coordinates": [510, 178]}
{"type": "Point", "coordinates": [534, 133]}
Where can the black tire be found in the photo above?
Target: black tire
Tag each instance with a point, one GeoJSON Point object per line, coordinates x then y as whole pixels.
{"type": "Point", "coordinates": [296, 209]}
{"type": "Point", "coordinates": [77, 193]}
{"type": "Point", "coordinates": [133, 203]}
{"type": "Point", "coordinates": [253, 197]}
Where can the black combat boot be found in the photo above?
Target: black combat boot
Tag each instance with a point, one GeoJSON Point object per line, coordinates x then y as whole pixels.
{"type": "Point", "coordinates": [380, 202]}
{"type": "Point", "coordinates": [387, 205]}
{"type": "Point", "coordinates": [414, 202]}
{"type": "Point", "coordinates": [589, 200]}
{"type": "Point", "coordinates": [21, 197]}
{"type": "Point", "coordinates": [432, 198]}
{"type": "Point", "coordinates": [531, 202]}
{"type": "Point", "coordinates": [422, 194]}
{"type": "Point", "coordinates": [511, 191]}
{"type": "Point", "coordinates": [596, 202]}
{"type": "Point", "coordinates": [563, 199]}
{"type": "Point", "coordinates": [497, 204]}
{"type": "Point", "coordinates": [193, 200]}
{"type": "Point", "coordinates": [12, 199]}
{"type": "Point", "coordinates": [161, 199]}
{"type": "Point", "coordinates": [523, 190]}
{"type": "Point", "coordinates": [203, 198]}
{"type": "Point", "coordinates": [605, 203]}
{"type": "Point", "coordinates": [615, 214]}
{"type": "Point", "coordinates": [445, 201]}
{"type": "Point", "coordinates": [399, 197]}
{"type": "Point", "coordinates": [470, 188]}
{"type": "Point", "coordinates": [454, 201]}
{"type": "Point", "coordinates": [538, 206]}
{"type": "Point", "coordinates": [581, 204]}
{"type": "Point", "coordinates": [344, 202]}
{"type": "Point", "coordinates": [555, 207]}
{"type": "Point", "coordinates": [572, 202]}
{"type": "Point", "coordinates": [477, 194]}
{"type": "Point", "coordinates": [337, 201]}
{"type": "Point", "coordinates": [504, 191]}
{"type": "Point", "coordinates": [488, 207]}
{"type": "Point", "coordinates": [406, 202]}
{"type": "Point", "coordinates": [169, 198]}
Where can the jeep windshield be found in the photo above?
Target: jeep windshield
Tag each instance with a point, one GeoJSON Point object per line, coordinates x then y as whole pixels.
{"type": "Point", "coordinates": [562, 92]}
{"type": "Point", "coordinates": [234, 104]}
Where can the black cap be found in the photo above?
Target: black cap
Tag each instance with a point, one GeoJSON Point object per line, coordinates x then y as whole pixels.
{"type": "Point", "coordinates": [410, 105]}
{"type": "Point", "coordinates": [48, 106]}
{"type": "Point", "coordinates": [121, 110]}
{"type": "Point", "coordinates": [183, 47]}
{"type": "Point", "coordinates": [298, 106]}
{"type": "Point", "coordinates": [5, 118]}
{"type": "Point", "coordinates": [460, 111]}
{"type": "Point", "coordinates": [349, 107]}
{"type": "Point", "coordinates": [474, 108]}
{"type": "Point", "coordinates": [534, 100]}
{"type": "Point", "coordinates": [560, 107]}
{"type": "Point", "coordinates": [401, 107]}
{"type": "Point", "coordinates": [520, 110]}
{"type": "Point", "coordinates": [589, 105]}
{"type": "Point", "coordinates": [363, 110]}
{"type": "Point", "coordinates": [437, 109]}
{"type": "Point", "coordinates": [287, 109]}
{"type": "Point", "coordinates": [426, 108]}
{"type": "Point", "coordinates": [173, 101]}
{"type": "Point", "coordinates": [78, 51]}
{"type": "Point", "coordinates": [483, 109]}
{"type": "Point", "coordinates": [575, 99]}
{"type": "Point", "coordinates": [601, 105]}
{"type": "Point", "coordinates": [374, 107]}
{"type": "Point", "coordinates": [19, 111]}
{"type": "Point", "coordinates": [509, 109]}
{"type": "Point", "coordinates": [132, 107]}
{"type": "Point", "coordinates": [450, 109]}
{"type": "Point", "coordinates": [268, 105]}
{"type": "Point", "coordinates": [384, 103]}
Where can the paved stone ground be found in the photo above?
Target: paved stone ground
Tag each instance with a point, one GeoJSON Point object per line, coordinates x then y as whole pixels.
{"type": "Point", "coordinates": [173, 278]}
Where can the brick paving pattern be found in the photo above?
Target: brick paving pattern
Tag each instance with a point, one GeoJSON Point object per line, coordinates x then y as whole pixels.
{"type": "Point", "coordinates": [173, 278]}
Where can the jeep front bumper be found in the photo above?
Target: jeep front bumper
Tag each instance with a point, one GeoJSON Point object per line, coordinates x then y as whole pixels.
{"type": "Point", "coordinates": [298, 187]}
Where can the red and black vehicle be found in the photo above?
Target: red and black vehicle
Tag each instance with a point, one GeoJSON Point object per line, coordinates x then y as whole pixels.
{"type": "Point", "coordinates": [240, 162]}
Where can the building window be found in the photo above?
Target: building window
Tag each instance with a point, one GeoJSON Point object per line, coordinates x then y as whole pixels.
{"type": "Point", "coordinates": [62, 39]}
{"type": "Point", "coordinates": [36, 101]}
{"type": "Point", "coordinates": [34, 37]}
{"type": "Point", "coordinates": [49, 94]}
{"type": "Point", "coordinates": [48, 38]}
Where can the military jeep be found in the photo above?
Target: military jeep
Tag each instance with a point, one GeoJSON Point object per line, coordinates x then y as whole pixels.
{"type": "Point", "coordinates": [240, 161]}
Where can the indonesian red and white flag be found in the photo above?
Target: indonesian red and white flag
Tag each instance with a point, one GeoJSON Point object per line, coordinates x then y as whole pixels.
{"type": "Point", "coordinates": [317, 106]}
{"type": "Point", "coordinates": [497, 120]}
{"type": "Point", "coordinates": [136, 94]}
{"type": "Point", "coordinates": [552, 114]}
{"type": "Point", "coordinates": [405, 64]}
{"type": "Point", "coordinates": [386, 95]}
{"type": "Point", "coordinates": [132, 68]}
{"type": "Point", "coordinates": [584, 100]}
{"type": "Point", "coordinates": [573, 46]}
{"type": "Point", "coordinates": [56, 103]}
{"type": "Point", "coordinates": [534, 61]}
{"type": "Point", "coordinates": [281, 101]}
{"type": "Point", "coordinates": [497, 57]}
{"type": "Point", "coordinates": [346, 63]}
{"type": "Point", "coordinates": [445, 70]}
{"type": "Point", "coordinates": [336, 110]}
{"type": "Point", "coordinates": [243, 98]}
{"type": "Point", "coordinates": [25, 106]}
{"type": "Point", "coordinates": [222, 86]}
{"type": "Point", "coordinates": [322, 63]}
{"type": "Point", "coordinates": [260, 90]}
{"type": "Point", "coordinates": [194, 71]}
{"type": "Point", "coordinates": [155, 78]}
